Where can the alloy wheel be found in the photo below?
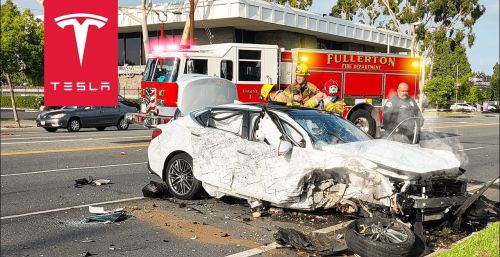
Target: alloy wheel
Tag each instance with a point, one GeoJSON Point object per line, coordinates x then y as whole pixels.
{"type": "Point", "coordinates": [180, 177]}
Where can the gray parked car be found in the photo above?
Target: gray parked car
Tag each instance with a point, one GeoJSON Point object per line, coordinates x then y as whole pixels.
{"type": "Point", "coordinates": [76, 117]}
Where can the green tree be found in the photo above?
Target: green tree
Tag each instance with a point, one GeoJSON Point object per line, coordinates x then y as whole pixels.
{"type": "Point", "coordinates": [22, 48]}
{"type": "Point", "coordinates": [449, 59]}
{"type": "Point", "coordinates": [440, 91]}
{"type": "Point", "coordinates": [300, 4]}
{"type": "Point", "coordinates": [476, 95]}
{"type": "Point", "coordinates": [420, 19]}
{"type": "Point", "coordinates": [495, 83]}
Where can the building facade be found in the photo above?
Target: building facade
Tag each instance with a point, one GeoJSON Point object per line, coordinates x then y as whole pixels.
{"type": "Point", "coordinates": [247, 21]}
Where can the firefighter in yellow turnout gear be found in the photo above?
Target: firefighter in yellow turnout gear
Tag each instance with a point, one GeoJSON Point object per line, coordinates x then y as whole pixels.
{"type": "Point", "coordinates": [277, 96]}
{"type": "Point", "coordinates": [306, 94]}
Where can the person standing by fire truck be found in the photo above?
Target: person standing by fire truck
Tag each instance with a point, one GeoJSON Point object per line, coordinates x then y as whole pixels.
{"type": "Point", "coordinates": [403, 109]}
{"type": "Point", "coordinates": [303, 92]}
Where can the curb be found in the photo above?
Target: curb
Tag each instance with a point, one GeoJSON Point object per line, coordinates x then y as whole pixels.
{"type": "Point", "coordinates": [442, 250]}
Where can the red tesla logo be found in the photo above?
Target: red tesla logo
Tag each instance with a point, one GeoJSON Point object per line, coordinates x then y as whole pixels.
{"type": "Point", "coordinates": [81, 52]}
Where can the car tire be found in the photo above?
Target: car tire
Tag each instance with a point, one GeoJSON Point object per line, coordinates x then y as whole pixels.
{"type": "Point", "coordinates": [122, 124]}
{"type": "Point", "coordinates": [101, 128]}
{"type": "Point", "coordinates": [363, 120]}
{"type": "Point", "coordinates": [74, 125]}
{"type": "Point", "coordinates": [371, 237]}
{"type": "Point", "coordinates": [179, 178]}
{"type": "Point", "coordinates": [51, 129]}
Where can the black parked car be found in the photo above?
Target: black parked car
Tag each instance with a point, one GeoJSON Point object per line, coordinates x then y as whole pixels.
{"type": "Point", "coordinates": [75, 117]}
{"type": "Point", "coordinates": [124, 101]}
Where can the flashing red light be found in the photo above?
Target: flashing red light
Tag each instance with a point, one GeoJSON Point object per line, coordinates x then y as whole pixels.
{"type": "Point", "coordinates": [156, 133]}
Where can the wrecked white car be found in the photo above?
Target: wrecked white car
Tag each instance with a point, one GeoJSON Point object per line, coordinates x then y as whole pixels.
{"type": "Point", "coordinates": [302, 159]}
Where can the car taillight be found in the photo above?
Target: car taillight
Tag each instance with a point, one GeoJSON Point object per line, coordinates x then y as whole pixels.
{"type": "Point", "coordinates": [156, 133]}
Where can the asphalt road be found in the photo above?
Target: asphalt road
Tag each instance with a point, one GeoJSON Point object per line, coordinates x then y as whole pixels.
{"type": "Point", "coordinates": [41, 209]}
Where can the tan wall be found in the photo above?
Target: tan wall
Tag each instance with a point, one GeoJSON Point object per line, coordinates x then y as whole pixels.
{"type": "Point", "coordinates": [129, 87]}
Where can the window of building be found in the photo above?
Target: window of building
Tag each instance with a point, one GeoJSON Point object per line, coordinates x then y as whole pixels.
{"type": "Point", "coordinates": [226, 69]}
{"type": "Point", "coordinates": [121, 50]}
{"type": "Point", "coordinates": [133, 49]}
{"type": "Point", "coordinates": [244, 36]}
{"type": "Point", "coordinates": [249, 65]}
{"type": "Point", "coordinates": [196, 66]}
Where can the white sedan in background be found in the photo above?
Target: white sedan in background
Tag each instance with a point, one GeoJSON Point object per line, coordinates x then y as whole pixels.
{"type": "Point", "coordinates": [462, 107]}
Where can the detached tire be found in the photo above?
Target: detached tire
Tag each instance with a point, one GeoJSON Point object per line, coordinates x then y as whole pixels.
{"type": "Point", "coordinates": [363, 120]}
{"type": "Point", "coordinates": [179, 178]}
{"type": "Point", "coordinates": [374, 237]}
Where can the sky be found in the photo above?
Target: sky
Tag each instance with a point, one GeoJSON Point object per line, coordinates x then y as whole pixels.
{"type": "Point", "coordinates": [482, 56]}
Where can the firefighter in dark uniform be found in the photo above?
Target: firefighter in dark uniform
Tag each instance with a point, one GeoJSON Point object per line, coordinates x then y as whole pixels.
{"type": "Point", "coordinates": [399, 108]}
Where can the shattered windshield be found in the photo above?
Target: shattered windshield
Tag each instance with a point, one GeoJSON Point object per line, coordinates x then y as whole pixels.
{"type": "Point", "coordinates": [329, 129]}
{"type": "Point", "coordinates": [161, 69]}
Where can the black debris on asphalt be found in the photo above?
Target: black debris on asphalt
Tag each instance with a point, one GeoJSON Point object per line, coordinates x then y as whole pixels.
{"type": "Point", "coordinates": [319, 245]}
{"type": "Point", "coordinates": [154, 190]}
{"type": "Point", "coordinates": [106, 218]}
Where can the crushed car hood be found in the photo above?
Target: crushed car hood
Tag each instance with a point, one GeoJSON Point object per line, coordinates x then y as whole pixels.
{"type": "Point", "coordinates": [412, 161]}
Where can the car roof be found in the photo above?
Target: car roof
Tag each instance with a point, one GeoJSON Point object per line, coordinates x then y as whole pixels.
{"type": "Point", "coordinates": [268, 106]}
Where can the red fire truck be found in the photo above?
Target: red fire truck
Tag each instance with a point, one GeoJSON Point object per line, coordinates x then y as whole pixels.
{"type": "Point", "coordinates": [365, 80]}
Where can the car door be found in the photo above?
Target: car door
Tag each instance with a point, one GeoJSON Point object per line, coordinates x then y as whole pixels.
{"type": "Point", "coordinates": [215, 147]}
{"type": "Point", "coordinates": [109, 116]}
{"type": "Point", "coordinates": [263, 172]}
{"type": "Point", "coordinates": [89, 116]}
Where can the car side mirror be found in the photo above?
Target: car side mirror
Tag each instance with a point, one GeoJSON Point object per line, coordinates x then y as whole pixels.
{"type": "Point", "coordinates": [284, 147]}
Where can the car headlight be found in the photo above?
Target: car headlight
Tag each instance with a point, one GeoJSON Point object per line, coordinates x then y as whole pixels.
{"type": "Point", "coordinates": [57, 116]}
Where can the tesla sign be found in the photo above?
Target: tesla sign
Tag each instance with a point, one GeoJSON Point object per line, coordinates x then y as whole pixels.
{"type": "Point", "coordinates": [81, 52]}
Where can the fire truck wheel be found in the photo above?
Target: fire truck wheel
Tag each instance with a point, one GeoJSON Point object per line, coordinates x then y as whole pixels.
{"type": "Point", "coordinates": [122, 124]}
{"type": "Point", "coordinates": [363, 120]}
{"type": "Point", "coordinates": [179, 178]}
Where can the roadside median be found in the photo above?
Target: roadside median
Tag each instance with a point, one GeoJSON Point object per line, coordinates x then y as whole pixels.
{"type": "Point", "coordinates": [11, 124]}
{"type": "Point", "coordinates": [483, 243]}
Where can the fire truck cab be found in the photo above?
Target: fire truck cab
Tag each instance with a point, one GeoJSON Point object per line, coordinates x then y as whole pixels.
{"type": "Point", "coordinates": [365, 80]}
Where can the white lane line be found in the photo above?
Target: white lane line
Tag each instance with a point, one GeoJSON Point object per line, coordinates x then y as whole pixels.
{"type": "Point", "coordinates": [26, 138]}
{"type": "Point", "coordinates": [72, 140]}
{"type": "Point", "coordinates": [274, 245]}
{"type": "Point", "coordinates": [71, 207]}
{"type": "Point", "coordinates": [255, 251]}
{"type": "Point", "coordinates": [76, 168]}
{"type": "Point", "coordinates": [473, 148]}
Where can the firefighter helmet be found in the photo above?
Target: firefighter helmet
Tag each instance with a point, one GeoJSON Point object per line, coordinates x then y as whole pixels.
{"type": "Point", "coordinates": [265, 90]}
{"type": "Point", "coordinates": [302, 70]}
{"type": "Point", "coordinates": [333, 90]}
